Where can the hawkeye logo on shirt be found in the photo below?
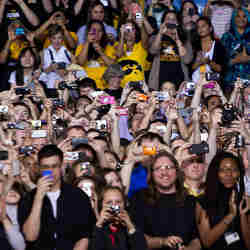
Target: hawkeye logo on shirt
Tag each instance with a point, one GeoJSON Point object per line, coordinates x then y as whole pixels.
{"type": "Point", "coordinates": [168, 53]}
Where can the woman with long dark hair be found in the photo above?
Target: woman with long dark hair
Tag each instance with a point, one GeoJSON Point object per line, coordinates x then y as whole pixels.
{"type": "Point", "coordinates": [222, 214]}
{"type": "Point", "coordinates": [27, 64]}
{"type": "Point", "coordinates": [95, 55]}
{"type": "Point", "coordinates": [210, 53]}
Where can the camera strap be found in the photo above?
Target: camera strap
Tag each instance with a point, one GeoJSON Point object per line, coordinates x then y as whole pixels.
{"type": "Point", "coordinates": [51, 56]}
{"type": "Point", "coordinates": [67, 55]}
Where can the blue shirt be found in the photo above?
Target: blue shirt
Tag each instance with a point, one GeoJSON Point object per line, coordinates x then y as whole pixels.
{"type": "Point", "coordinates": [138, 180]}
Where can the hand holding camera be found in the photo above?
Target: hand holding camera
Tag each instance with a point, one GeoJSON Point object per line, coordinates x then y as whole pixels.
{"type": "Point", "coordinates": [174, 242]}
{"type": "Point", "coordinates": [105, 216]}
{"type": "Point", "coordinates": [43, 186]}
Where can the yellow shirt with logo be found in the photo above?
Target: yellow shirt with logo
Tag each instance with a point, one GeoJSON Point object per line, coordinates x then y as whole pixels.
{"type": "Point", "coordinates": [134, 63]}
{"type": "Point", "coordinates": [16, 47]}
{"type": "Point", "coordinates": [96, 68]}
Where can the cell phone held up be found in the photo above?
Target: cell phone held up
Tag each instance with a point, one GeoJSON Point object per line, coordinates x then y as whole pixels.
{"type": "Point", "coordinates": [199, 149]}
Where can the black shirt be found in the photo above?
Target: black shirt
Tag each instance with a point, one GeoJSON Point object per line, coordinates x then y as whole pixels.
{"type": "Point", "coordinates": [74, 221]}
{"type": "Point", "coordinates": [165, 218]}
{"type": "Point", "coordinates": [105, 239]}
{"type": "Point", "coordinates": [170, 62]}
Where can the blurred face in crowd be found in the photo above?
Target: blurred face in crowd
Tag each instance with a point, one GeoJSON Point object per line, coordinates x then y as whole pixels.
{"type": "Point", "coordinates": [136, 122]}
{"type": "Point", "coordinates": [97, 13]}
{"type": "Point", "coordinates": [241, 19]}
{"type": "Point", "coordinates": [111, 160]}
{"type": "Point", "coordinates": [213, 102]}
{"type": "Point", "coordinates": [84, 168]}
{"type": "Point", "coordinates": [130, 32]}
{"type": "Point", "coordinates": [13, 197]}
{"type": "Point", "coordinates": [57, 40]}
{"type": "Point", "coordinates": [164, 175]}
{"type": "Point", "coordinates": [169, 87]}
{"type": "Point", "coordinates": [54, 164]}
{"type": "Point", "coordinates": [27, 60]}
{"type": "Point", "coordinates": [194, 168]}
{"type": "Point", "coordinates": [203, 29]}
{"type": "Point", "coordinates": [114, 82]}
{"type": "Point", "coordinates": [82, 103]}
{"type": "Point", "coordinates": [76, 133]}
{"type": "Point", "coordinates": [97, 31]}
{"type": "Point", "coordinates": [186, 8]}
{"type": "Point", "coordinates": [39, 143]}
{"type": "Point", "coordinates": [171, 18]}
{"type": "Point", "coordinates": [113, 198]}
{"type": "Point", "coordinates": [126, 5]}
{"type": "Point", "coordinates": [21, 113]}
{"type": "Point", "coordinates": [228, 173]}
{"type": "Point", "coordinates": [85, 90]}
{"type": "Point", "coordinates": [113, 179]}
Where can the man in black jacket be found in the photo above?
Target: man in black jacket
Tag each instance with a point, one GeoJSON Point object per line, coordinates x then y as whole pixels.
{"type": "Point", "coordinates": [55, 215]}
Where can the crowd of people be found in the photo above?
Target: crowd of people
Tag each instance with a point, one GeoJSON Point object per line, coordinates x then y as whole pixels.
{"type": "Point", "coordinates": [124, 124]}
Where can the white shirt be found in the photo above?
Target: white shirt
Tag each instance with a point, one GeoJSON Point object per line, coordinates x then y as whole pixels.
{"type": "Point", "coordinates": [53, 197]}
{"type": "Point", "coordinates": [58, 56]}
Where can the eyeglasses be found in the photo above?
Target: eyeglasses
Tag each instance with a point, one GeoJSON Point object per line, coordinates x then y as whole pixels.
{"type": "Point", "coordinates": [158, 169]}
{"type": "Point", "coordinates": [188, 162]}
{"type": "Point", "coordinates": [225, 170]}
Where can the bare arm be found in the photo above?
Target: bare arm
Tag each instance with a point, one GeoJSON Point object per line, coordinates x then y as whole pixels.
{"type": "Point", "coordinates": [30, 15]}
{"type": "Point", "coordinates": [115, 133]}
{"type": "Point", "coordinates": [194, 245]}
{"type": "Point", "coordinates": [2, 7]}
{"type": "Point", "coordinates": [47, 5]}
{"type": "Point", "coordinates": [210, 235]}
{"type": "Point", "coordinates": [82, 58]}
{"type": "Point", "coordinates": [78, 6]}
{"type": "Point", "coordinates": [82, 244]}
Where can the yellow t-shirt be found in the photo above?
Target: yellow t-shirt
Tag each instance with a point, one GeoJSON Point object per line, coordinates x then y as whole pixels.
{"type": "Point", "coordinates": [16, 47]}
{"type": "Point", "coordinates": [133, 63]}
{"type": "Point", "coordinates": [47, 42]}
{"type": "Point", "coordinates": [96, 68]}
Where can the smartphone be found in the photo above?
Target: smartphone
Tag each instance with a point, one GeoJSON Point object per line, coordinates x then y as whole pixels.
{"type": "Point", "coordinates": [138, 15]}
{"type": "Point", "coordinates": [107, 100]}
{"type": "Point", "coordinates": [212, 76]}
{"type": "Point", "coordinates": [199, 149]}
{"type": "Point", "coordinates": [77, 141]}
{"type": "Point", "coordinates": [36, 124]}
{"type": "Point", "coordinates": [136, 85]}
{"type": "Point", "coordinates": [210, 85]}
{"type": "Point", "coordinates": [39, 133]}
{"type": "Point", "coordinates": [47, 173]}
{"type": "Point", "coordinates": [149, 150]}
{"type": "Point", "coordinates": [72, 156]}
{"type": "Point", "coordinates": [16, 167]}
{"type": "Point", "coordinates": [4, 155]}
{"type": "Point", "coordinates": [4, 109]}
{"type": "Point", "coordinates": [171, 26]}
{"type": "Point", "coordinates": [94, 94]}
{"type": "Point", "coordinates": [162, 96]}
{"type": "Point", "coordinates": [52, 93]}
{"type": "Point", "coordinates": [20, 31]}
{"type": "Point", "coordinates": [141, 97]}
{"type": "Point", "coordinates": [101, 124]}
{"type": "Point", "coordinates": [22, 91]}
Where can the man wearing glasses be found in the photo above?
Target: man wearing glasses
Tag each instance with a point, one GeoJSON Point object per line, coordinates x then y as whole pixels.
{"type": "Point", "coordinates": [164, 211]}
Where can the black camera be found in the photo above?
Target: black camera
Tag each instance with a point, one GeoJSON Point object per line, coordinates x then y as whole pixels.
{"type": "Point", "coordinates": [22, 91]}
{"type": "Point", "coordinates": [229, 114]}
{"type": "Point", "coordinates": [135, 85]}
{"type": "Point", "coordinates": [26, 150]}
{"type": "Point", "coordinates": [77, 141]}
{"type": "Point", "coordinates": [61, 65]}
{"type": "Point", "coordinates": [115, 209]}
{"type": "Point", "coordinates": [103, 110]}
{"type": "Point", "coordinates": [171, 26]}
{"type": "Point", "coordinates": [64, 85]}
{"type": "Point", "coordinates": [199, 149]}
{"type": "Point", "coordinates": [212, 76]}
{"type": "Point", "coordinates": [4, 155]}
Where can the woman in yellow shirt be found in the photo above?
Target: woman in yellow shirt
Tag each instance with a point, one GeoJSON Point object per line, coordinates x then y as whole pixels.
{"type": "Point", "coordinates": [95, 55]}
{"type": "Point", "coordinates": [132, 50]}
